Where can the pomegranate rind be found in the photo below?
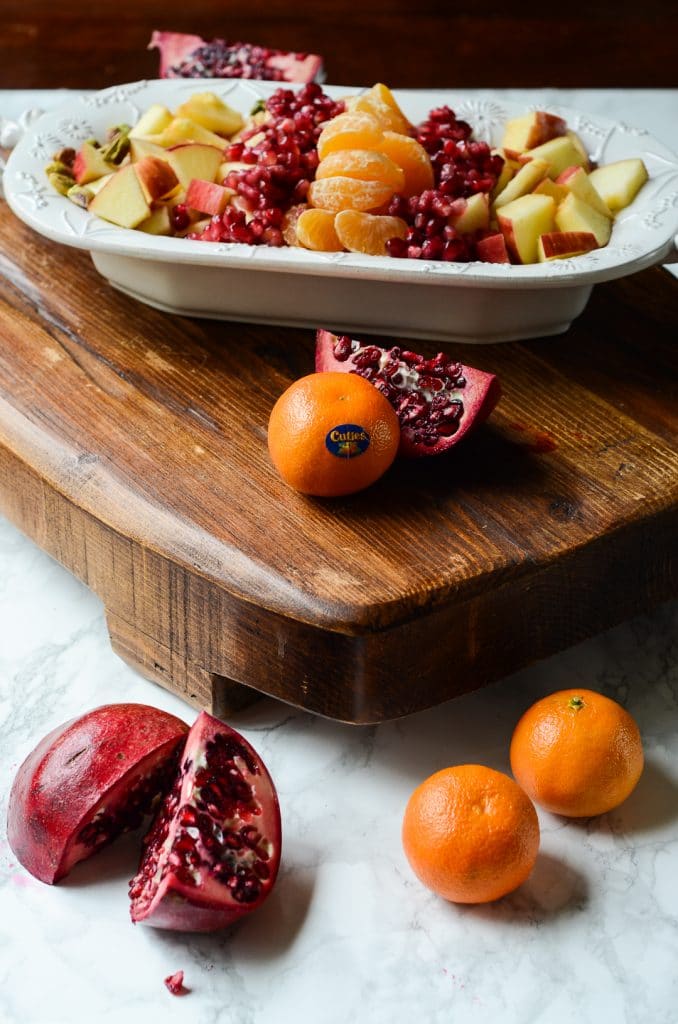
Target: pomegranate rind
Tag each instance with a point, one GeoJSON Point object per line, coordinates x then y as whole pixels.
{"type": "Point", "coordinates": [168, 902]}
{"type": "Point", "coordinates": [479, 396]}
{"type": "Point", "coordinates": [82, 767]}
{"type": "Point", "coordinates": [177, 47]}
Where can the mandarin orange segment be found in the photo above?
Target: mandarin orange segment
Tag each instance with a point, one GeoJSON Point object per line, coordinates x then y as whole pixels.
{"type": "Point", "coordinates": [413, 160]}
{"type": "Point", "coordinates": [367, 232]}
{"type": "Point", "coordinates": [364, 164]}
{"type": "Point", "coordinates": [381, 104]}
{"type": "Point", "coordinates": [349, 131]}
{"type": "Point", "coordinates": [315, 230]}
{"type": "Point", "coordinates": [340, 193]}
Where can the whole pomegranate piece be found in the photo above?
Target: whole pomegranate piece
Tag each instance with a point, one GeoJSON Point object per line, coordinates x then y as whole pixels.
{"type": "Point", "coordinates": [437, 400]}
{"type": "Point", "coordinates": [86, 782]}
{"type": "Point", "coordinates": [213, 851]}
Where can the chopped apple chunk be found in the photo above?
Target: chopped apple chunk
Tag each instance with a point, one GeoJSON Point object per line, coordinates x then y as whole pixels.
{"type": "Point", "coordinates": [152, 121]}
{"type": "Point", "coordinates": [557, 245]}
{"type": "Point", "coordinates": [574, 214]}
{"type": "Point", "coordinates": [194, 160]}
{"type": "Point", "coordinates": [473, 216]}
{"type": "Point", "coordinates": [620, 182]}
{"type": "Point", "coordinates": [529, 175]}
{"type": "Point", "coordinates": [183, 129]}
{"type": "Point", "coordinates": [532, 130]}
{"type": "Point", "coordinates": [577, 181]}
{"type": "Point", "coordinates": [159, 222]}
{"type": "Point", "coordinates": [121, 201]}
{"type": "Point", "coordinates": [523, 221]}
{"type": "Point", "coordinates": [559, 153]}
{"type": "Point", "coordinates": [156, 177]}
{"type": "Point", "coordinates": [206, 109]}
{"type": "Point", "coordinates": [207, 197]}
{"type": "Point", "coordinates": [90, 164]}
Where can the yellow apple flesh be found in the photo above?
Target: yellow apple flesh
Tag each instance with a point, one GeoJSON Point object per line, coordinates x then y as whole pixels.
{"type": "Point", "coordinates": [121, 201]}
{"type": "Point", "coordinates": [523, 221]}
{"type": "Point", "coordinates": [559, 153]}
{"type": "Point", "coordinates": [206, 109]}
{"type": "Point", "coordinates": [575, 215]}
{"type": "Point", "coordinates": [532, 130]}
{"type": "Point", "coordinates": [152, 121]}
{"type": "Point", "coordinates": [577, 181]}
{"type": "Point", "coordinates": [159, 223]}
{"type": "Point", "coordinates": [619, 183]}
{"type": "Point", "coordinates": [194, 160]}
{"type": "Point", "coordinates": [524, 181]}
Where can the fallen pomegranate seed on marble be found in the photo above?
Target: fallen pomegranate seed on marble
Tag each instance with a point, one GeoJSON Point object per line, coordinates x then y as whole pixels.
{"type": "Point", "coordinates": [175, 984]}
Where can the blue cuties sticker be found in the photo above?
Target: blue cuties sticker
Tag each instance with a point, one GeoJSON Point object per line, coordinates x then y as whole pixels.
{"type": "Point", "coordinates": [347, 440]}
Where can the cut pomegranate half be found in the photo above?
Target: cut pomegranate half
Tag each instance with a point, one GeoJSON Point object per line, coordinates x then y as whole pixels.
{"type": "Point", "coordinates": [437, 400]}
{"type": "Point", "coordinates": [87, 781]}
{"type": "Point", "coordinates": [188, 56]}
{"type": "Point", "coordinates": [213, 851]}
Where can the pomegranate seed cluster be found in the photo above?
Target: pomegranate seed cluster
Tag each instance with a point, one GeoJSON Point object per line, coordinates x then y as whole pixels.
{"type": "Point", "coordinates": [461, 168]}
{"type": "Point", "coordinates": [425, 393]}
{"type": "Point", "coordinates": [430, 236]}
{"type": "Point", "coordinates": [125, 818]}
{"type": "Point", "coordinates": [220, 59]}
{"type": "Point", "coordinates": [283, 162]}
{"type": "Point", "coordinates": [214, 835]}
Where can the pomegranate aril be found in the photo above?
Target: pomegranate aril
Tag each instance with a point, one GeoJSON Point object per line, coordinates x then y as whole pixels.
{"type": "Point", "coordinates": [175, 984]}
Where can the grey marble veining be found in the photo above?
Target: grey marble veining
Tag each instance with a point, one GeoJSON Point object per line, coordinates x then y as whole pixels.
{"type": "Point", "coordinates": [349, 934]}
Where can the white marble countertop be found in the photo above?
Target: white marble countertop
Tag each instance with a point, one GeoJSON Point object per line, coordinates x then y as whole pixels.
{"type": "Point", "coordinates": [349, 934]}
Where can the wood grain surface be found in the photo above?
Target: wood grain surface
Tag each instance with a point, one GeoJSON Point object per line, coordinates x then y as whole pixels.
{"type": "Point", "coordinates": [133, 449]}
{"type": "Point", "coordinates": [431, 43]}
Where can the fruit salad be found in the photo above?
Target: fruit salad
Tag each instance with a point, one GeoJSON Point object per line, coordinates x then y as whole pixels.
{"type": "Point", "coordinates": [351, 175]}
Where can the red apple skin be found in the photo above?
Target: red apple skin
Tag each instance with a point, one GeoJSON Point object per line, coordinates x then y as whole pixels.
{"type": "Point", "coordinates": [492, 249]}
{"type": "Point", "coordinates": [79, 168]}
{"type": "Point", "coordinates": [568, 243]}
{"type": "Point", "coordinates": [549, 126]}
{"type": "Point", "coordinates": [207, 197]}
{"type": "Point", "coordinates": [156, 177]}
{"type": "Point", "coordinates": [568, 173]}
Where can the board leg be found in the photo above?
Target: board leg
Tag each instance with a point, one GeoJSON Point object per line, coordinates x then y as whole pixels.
{"type": "Point", "coordinates": [201, 688]}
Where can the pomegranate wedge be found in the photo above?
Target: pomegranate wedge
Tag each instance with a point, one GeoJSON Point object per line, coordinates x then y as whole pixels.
{"type": "Point", "coordinates": [86, 782]}
{"type": "Point", "coordinates": [437, 400]}
{"type": "Point", "coordinates": [188, 56]}
{"type": "Point", "coordinates": [213, 851]}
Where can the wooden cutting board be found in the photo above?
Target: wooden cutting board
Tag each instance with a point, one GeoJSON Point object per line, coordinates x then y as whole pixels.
{"type": "Point", "coordinates": [133, 450]}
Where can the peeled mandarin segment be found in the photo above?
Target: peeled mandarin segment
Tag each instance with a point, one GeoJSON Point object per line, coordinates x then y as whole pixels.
{"type": "Point", "coordinates": [413, 160]}
{"type": "Point", "coordinates": [289, 224]}
{"type": "Point", "coordinates": [315, 230]}
{"type": "Point", "coordinates": [364, 164]}
{"type": "Point", "coordinates": [340, 193]}
{"type": "Point", "coordinates": [349, 131]}
{"type": "Point", "coordinates": [366, 232]}
{"type": "Point", "coordinates": [380, 102]}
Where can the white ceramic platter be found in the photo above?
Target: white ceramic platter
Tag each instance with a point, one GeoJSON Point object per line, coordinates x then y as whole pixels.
{"type": "Point", "coordinates": [468, 302]}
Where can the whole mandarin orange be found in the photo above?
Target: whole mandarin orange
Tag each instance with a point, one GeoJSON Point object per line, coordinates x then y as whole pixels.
{"type": "Point", "coordinates": [470, 834]}
{"type": "Point", "coordinates": [332, 433]}
{"type": "Point", "coordinates": [577, 753]}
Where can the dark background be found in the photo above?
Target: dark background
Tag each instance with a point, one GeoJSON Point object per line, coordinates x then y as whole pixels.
{"type": "Point", "coordinates": [48, 43]}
